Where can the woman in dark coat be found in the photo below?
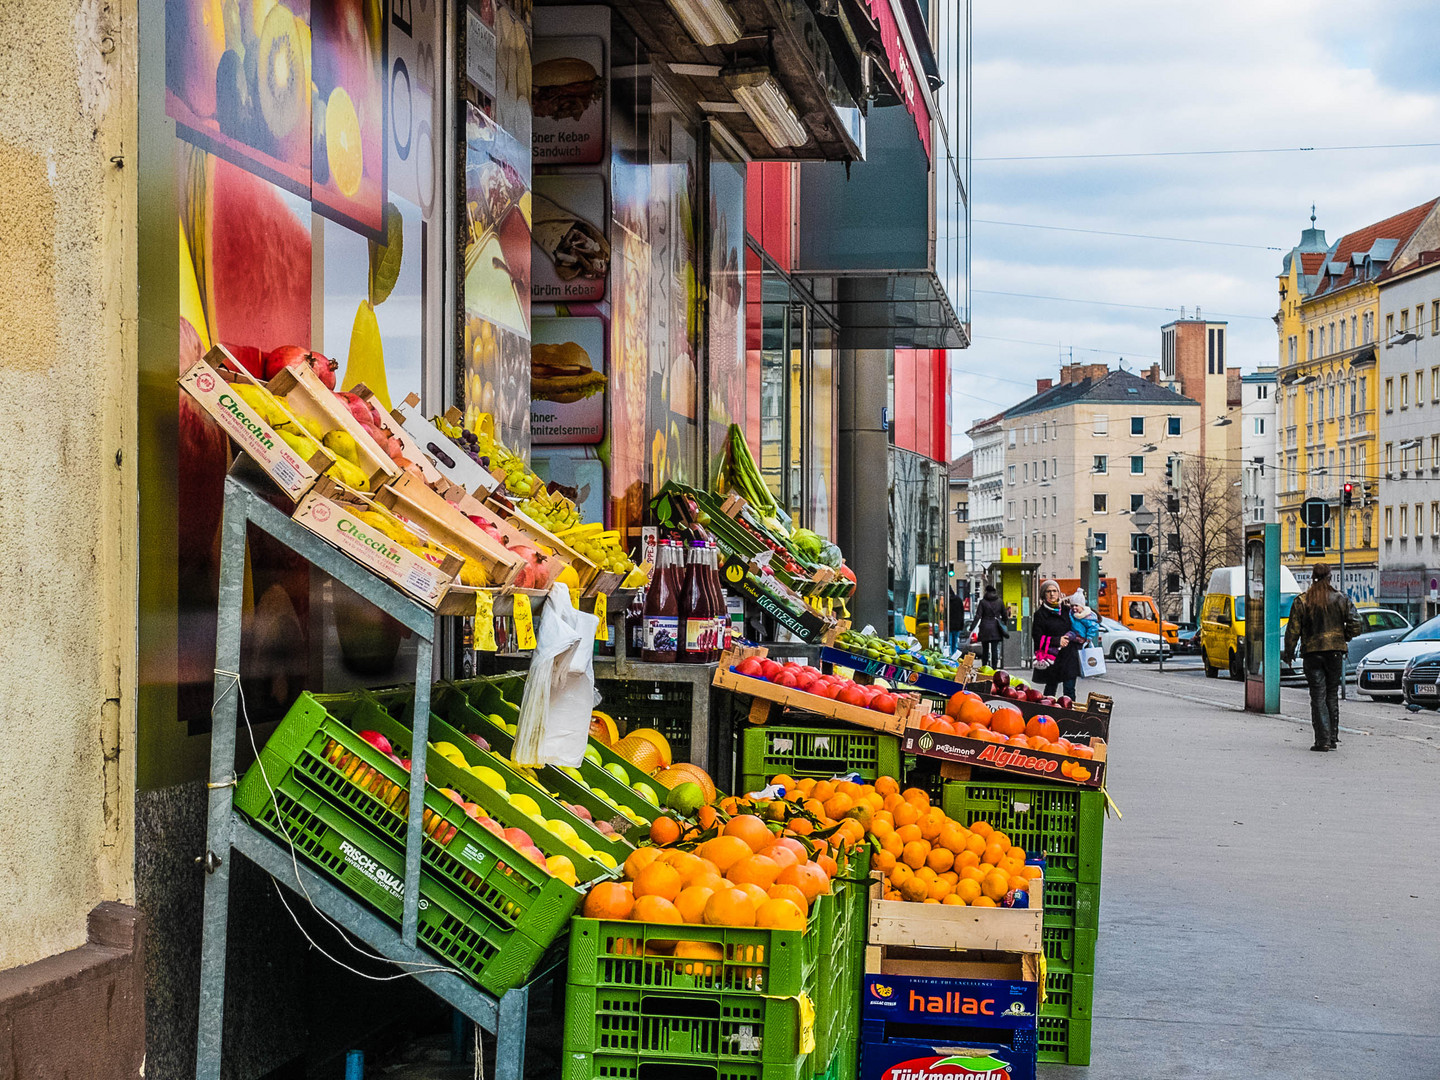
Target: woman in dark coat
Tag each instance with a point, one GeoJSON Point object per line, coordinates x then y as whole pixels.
{"type": "Point", "coordinates": [990, 617]}
{"type": "Point", "coordinates": [1050, 631]}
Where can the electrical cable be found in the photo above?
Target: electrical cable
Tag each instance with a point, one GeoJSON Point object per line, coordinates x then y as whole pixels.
{"type": "Point", "coordinates": [1129, 235]}
{"type": "Point", "coordinates": [1111, 303]}
{"type": "Point", "coordinates": [1210, 153]}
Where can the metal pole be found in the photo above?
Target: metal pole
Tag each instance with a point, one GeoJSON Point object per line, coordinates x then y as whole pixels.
{"type": "Point", "coordinates": [1343, 591]}
{"type": "Point", "coordinates": [1160, 587]}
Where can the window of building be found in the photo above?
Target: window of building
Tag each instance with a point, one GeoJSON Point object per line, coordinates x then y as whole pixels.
{"type": "Point", "coordinates": [1364, 397]}
{"type": "Point", "coordinates": [1054, 504]}
{"type": "Point", "coordinates": [1435, 384]}
{"type": "Point", "coordinates": [1012, 438]}
{"type": "Point", "coordinates": [1102, 503]}
{"type": "Point", "coordinates": [1172, 426]}
{"type": "Point", "coordinates": [1025, 471]}
{"type": "Point", "coordinates": [1137, 464]}
{"type": "Point", "coordinates": [1435, 316]}
{"type": "Point", "coordinates": [1344, 337]}
{"type": "Point", "coordinates": [1435, 453]}
{"type": "Point", "coordinates": [1137, 425]}
{"type": "Point", "coordinates": [1354, 333]}
{"type": "Point", "coordinates": [1044, 545]}
{"type": "Point", "coordinates": [1404, 391]}
{"type": "Point", "coordinates": [1389, 457]}
{"type": "Point", "coordinates": [1419, 520]}
{"type": "Point", "coordinates": [1368, 326]}
{"type": "Point", "coordinates": [1352, 395]}
{"type": "Point", "coordinates": [1309, 405]}
{"type": "Point", "coordinates": [1012, 470]}
{"type": "Point", "coordinates": [1291, 344]}
{"type": "Point", "coordinates": [1389, 332]}
{"type": "Point", "coordinates": [1102, 425]}
{"type": "Point", "coordinates": [1101, 541]}
{"type": "Point", "coordinates": [1404, 320]}
{"type": "Point", "coordinates": [1390, 395]}
{"type": "Point", "coordinates": [1309, 344]}
{"type": "Point", "coordinates": [1055, 467]}
{"type": "Point", "coordinates": [959, 550]}
{"type": "Point", "coordinates": [1044, 469]}
{"type": "Point", "coordinates": [1435, 519]}
{"type": "Point", "coordinates": [1389, 523]}
{"type": "Point", "coordinates": [1010, 509]}
{"type": "Point", "coordinates": [1100, 464]}
{"type": "Point", "coordinates": [1420, 387]}
{"type": "Point", "coordinates": [1259, 425]}
{"type": "Point", "coordinates": [1330, 391]}
{"type": "Point", "coordinates": [1404, 520]}
{"type": "Point", "coordinates": [1137, 502]}
{"type": "Point", "coordinates": [1419, 320]}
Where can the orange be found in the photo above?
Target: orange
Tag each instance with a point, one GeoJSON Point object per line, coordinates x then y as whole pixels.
{"type": "Point", "coordinates": [782, 856]}
{"type": "Point", "coordinates": [755, 892]}
{"type": "Point", "coordinates": [981, 827]}
{"type": "Point", "coordinates": [751, 829]}
{"type": "Point", "coordinates": [756, 869]}
{"type": "Point", "coordinates": [983, 901]}
{"type": "Point", "coordinates": [806, 784]}
{"type": "Point", "coordinates": [1031, 872]}
{"type": "Point", "coordinates": [972, 873]}
{"type": "Point", "coordinates": [931, 822]}
{"type": "Point", "coordinates": [914, 891]}
{"type": "Point", "coordinates": [852, 830]}
{"type": "Point", "coordinates": [882, 860]}
{"type": "Point", "coordinates": [882, 819]}
{"type": "Point", "coordinates": [994, 853]}
{"type": "Point", "coordinates": [876, 801]}
{"type": "Point", "coordinates": [916, 797]}
{"type": "Point", "coordinates": [848, 787]}
{"type": "Point", "coordinates": [967, 858]}
{"type": "Point", "coordinates": [705, 879]}
{"type": "Point", "coordinates": [968, 890]}
{"type": "Point", "coordinates": [891, 801]}
{"type": "Point", "coordinates": [1019, 883]}
{"type": "Point", "coordinates": [893, 844]}
{"type": "Point", "coordinates": [952, 900]}
{"type": "Point", "coordinates": [1016, 853]}
{"type": "Point", "coordinates": [730, 907]}
{"type": "Point", "coordinates": [915, 854]}
{"type": "Point", "coordinates": [861, 812]}
{"type": "Point", "coordinates": [822, 790]}
{"type": "Point", "coordinates": [905, 813]}
{"type": "Point", "coordinates": [608, 900]}
{"type": "Point", "coordinates": [638, 860]}
{"type": "Point", "coordinates": [1007, 721]}
{"type": "Point", "coordinates": [794, 845]}
{"type": "Point", "coordinates": [930, 900]}
{"type": "Point", "coordinates": [939, 889]}
{"type": "Point", "coordinates": [900, 875]}
{"type": "Point", "coordinates": [826, 863]}
{"type": "Point", "coordinates": [785, 781]}
{"type": "Point", "coordinates": [838, 805]}
{"type": "Point", "coordinates": [926, 875]}
{"type": "Point", "coordinates": [725, 851]}
{"type": "Point", "coordinates": [893, 894]}
{"type": "Point", "coordinates": [807, 877]}
{"type": "Point", "coordinates": [909, 833]}
{"type": "Point", "coordinates": [952, 837]}
{"type": "Point", "coordinates": [691, 903]}
{"type": "Point", "coordinates": [881, 829]}
{"type": "Point", "coordinates": [780, 915]}
{"type": "Point", "coordinates": [664, 830]}
{"type": "Point", "coordinates": [887, 785]}
{"type": "Point", "coordinates": [1001, 839]}
{"type": "Point", "coordinates": [660, 880]}
{"type": "Point", "coordinates": [951, 876]}
{"type": "Point", "coordinates": [940, 859]}
{"type": "Point", "coordinates": [789, 892]}
{"type": "Point", "coordinates": [682, 862]}
{"type": "Point", "coordinates": [976, 843]}
{"type": "Point", "coordinates": [655, 909]}
{"type": "Point", "coordinates": [995, 885]}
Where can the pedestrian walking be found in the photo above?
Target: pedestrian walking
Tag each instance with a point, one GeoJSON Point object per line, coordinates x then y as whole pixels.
{"type": "Point", "coordinates": [1057, 645]}
{"type": "Point", "coordinates": [956, 622]}
{"type": "Point", "coordinates": [1323, 620]}
{"type": "Point", "coordinates": [990, 618]}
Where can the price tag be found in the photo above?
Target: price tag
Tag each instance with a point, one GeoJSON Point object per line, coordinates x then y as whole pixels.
{"type": "Point", "coordinates": [524, 622]}
{"type": "Point", "coordinates": [484, 621]}
{"type": "Point", "coordinates": [602, 628]}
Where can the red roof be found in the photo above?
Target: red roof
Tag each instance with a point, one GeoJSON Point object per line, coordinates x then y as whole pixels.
{"type": "Point", "coordinates": [1311, 261]}
{"type": "Point", "coordinates": [1400, 227]}
{"type": "Point", "coordinates": [987, 422]}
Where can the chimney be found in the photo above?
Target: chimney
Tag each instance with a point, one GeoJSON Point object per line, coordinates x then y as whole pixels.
{"type": "Point", "coordinates": [1153, 375]}
{"type": "Point", "coordinates": [1041, 385]}
{"type": "Point", "coordinates": [1096, 371]}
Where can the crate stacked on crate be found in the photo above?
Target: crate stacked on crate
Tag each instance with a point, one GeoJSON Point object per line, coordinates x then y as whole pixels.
{"type": "Point", "coordinates": [650, 703]}
{"type": "Point", "coordinates": [1066, 825]}
{"type": "Point", "coordinates": [804, 750]}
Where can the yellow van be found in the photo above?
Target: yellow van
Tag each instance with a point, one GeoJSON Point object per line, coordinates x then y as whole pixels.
{"type": "Point", "coordinates": [1222, 619]}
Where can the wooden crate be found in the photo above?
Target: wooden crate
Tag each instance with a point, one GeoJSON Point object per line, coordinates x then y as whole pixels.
{"type": "Point", "coordinates": [411, 498]}
{"type": "Point", "coordinates": [943, 926]}
{"type": "Point", "coordinates": [449, 458]}
{"type": "Point", "coordinates": [768, 697]}
{"type": "Point", "coordinates": [940, 964]}
{"type": "Point", "coordinates": [316, 404]}
{"type": "Point", "coordinates": [391, 425]}
{"type": "Point", "coordinates": [327, 510]}
{"type": "Point", "coordinates": [209, 382]}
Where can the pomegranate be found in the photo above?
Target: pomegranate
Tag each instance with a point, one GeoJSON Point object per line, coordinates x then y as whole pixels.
{"type": "Point", "coordinates": [278, 359]}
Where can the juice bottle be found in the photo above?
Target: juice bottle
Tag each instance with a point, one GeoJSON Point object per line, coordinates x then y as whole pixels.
{"type": "Point", "coordinates": [662, 608]}
{"type": "Point", "coordinates": [717, 599]}
{"type": "Point", "coordinates": [697, 620]}
{"type": "Point", "coordinates": [635, 624]}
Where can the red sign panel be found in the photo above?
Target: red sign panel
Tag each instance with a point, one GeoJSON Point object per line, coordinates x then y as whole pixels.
{"type": "Point", "coordinates": [902, 64]}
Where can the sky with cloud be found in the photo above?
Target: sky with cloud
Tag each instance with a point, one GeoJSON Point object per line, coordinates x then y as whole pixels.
{"type": "Point", "coordinates": [1135, 76]}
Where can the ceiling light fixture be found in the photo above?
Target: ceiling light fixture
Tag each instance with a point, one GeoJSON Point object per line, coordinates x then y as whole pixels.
{"type": "Point", "coordinates": [709, 22]}
{"type": "Point", "coordinates": [762, 97]}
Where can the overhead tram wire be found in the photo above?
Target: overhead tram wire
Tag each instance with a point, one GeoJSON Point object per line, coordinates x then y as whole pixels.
{"type": "Point", "coordinates": [1128, 235]}
{"type": "Point", "coordinates": [1111, 303]}
{"type": "Point", "coordinates": [1210, 153]}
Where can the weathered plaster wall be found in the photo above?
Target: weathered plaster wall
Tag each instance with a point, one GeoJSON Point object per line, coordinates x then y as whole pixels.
{"type": "Point", "coordinates": [67, 490]}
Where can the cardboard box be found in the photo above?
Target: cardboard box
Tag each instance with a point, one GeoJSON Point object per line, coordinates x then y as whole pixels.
{"type": "Point", "coordinates": [411, 498]}
{"type": "Point", "coordinates": [920, 1059]}
{"type": "Point", "coordinates": [316, 404]}
{"type": "Point", "coordinates": [328, 510]}
{"type": "Point", "coordinates": [1031, 764]}
{"type": "Point", "coordinates": [448, 457]}
{"type": "Point", "coordinates": [768, 694]}
{"type": "Point", "coordinates": [210, 382]}
{"type": "Point", "coordinates": [955, 928]}
{"type": "Point", "coordinates": [391, 425]}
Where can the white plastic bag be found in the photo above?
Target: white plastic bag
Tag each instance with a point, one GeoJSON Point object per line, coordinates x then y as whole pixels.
{"type": "Point", "coordinates": [554, 722]}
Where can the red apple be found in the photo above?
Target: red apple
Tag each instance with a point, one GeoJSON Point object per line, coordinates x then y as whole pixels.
{"type": "Point", "coordinates": [518, 838]}
{"type": "Point", "coordinates": [375, 739]}
{"type": "Point", "coordinates": [1001, 678]}
{"type": "Point", "coordinates": [480, 741]}
{"type": "Point", "coordinates": [883, 702]}
{"type": "Point", "coordinates": [751, 668]}
{"type": "Point", "coordinates": [1065, 701]}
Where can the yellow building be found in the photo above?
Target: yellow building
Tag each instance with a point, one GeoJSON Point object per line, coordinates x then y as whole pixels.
{"type": "Point", "coordinates": [1326, 404]}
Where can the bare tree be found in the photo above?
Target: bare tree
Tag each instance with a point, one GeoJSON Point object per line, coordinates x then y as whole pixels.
{"type": "Point", "coordinates": [1201, 527]}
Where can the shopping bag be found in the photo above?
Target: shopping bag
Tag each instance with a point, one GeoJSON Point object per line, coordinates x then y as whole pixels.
{"type": "Point", "coordinates": [1092, 661]}
{"type": "Point", "coordinates": [554, 723]}
{"type": "Point", "coordinates": [1044, 659]}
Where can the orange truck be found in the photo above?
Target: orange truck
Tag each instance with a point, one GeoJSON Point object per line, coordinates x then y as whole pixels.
{"type": "Point", "coordinates": [1135, 610]}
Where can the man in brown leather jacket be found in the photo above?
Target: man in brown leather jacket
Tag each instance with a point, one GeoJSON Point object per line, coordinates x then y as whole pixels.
{"type": "Point", "coordinates": [1324, 620]}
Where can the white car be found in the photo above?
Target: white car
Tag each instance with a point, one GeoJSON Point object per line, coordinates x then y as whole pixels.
{"type": "Point", "coordinates": [1123, 645]}
{"type": "Point", "coordinates": [1378, 673]}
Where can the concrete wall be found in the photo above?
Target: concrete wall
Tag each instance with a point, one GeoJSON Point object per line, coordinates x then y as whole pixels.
{"type": "Point", "coordinates": [67, 491]}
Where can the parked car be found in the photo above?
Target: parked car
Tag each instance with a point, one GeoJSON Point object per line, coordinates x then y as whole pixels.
{"type": "Point", "coordinates": [1382, 626]}
{"type": "Point", "coordinates": [1123, 645]}
{"type": "Point", "coordinates": [1379, 672]}
{"type": "Point", "coordinates": [1421, 681]}
{"type": "Point", "coordinates": [1187, 641]}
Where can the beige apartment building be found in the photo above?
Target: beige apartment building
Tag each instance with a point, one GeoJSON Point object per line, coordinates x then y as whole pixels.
{"type": "Point", "coordinates": [1081, 455]}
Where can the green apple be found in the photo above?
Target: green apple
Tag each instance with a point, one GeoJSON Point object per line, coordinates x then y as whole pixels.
{"type": "Point", "coordinates": [592, 755]}
{"type": "Point", "coordinates": [574, 774]}
{"type": "Point", "coordinates": [618, 771]}
{"type": "Point", "coordinates": [646, 792]}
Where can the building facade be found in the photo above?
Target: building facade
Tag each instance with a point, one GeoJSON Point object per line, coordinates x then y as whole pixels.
{"type": "Point", "coordinates": [987, 502]}
{"type": "Point", "coordinates": [1081, 456]}
{"type": "Point", "coordinates": [1409, 372]}
{"type": "Point", "coordinates": [1257, 445]}
{"type": "Point", "coordinates": [961, 472]}
{"type": "Point", "coordinates": [1329, 396]}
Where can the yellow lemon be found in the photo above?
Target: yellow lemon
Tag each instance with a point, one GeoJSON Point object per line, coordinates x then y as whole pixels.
{"type": "Point", "coordinates": [342, 142]}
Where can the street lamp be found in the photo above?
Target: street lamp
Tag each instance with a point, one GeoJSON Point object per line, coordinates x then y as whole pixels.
{"type": "Point", "coordinates": [1143, 519]}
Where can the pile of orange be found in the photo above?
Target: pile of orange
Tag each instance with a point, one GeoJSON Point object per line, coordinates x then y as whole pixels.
{"type": "Point", "coordinates": [747, 875]}
{"type": "Point", "coordinates": [967, 714]}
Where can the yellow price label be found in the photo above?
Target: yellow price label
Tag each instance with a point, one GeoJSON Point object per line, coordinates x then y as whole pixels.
{"type": "Point", "coordinates": [602, 612]}
{"type": "Point", "coordinates": [524, 622]}
{"type": "Point", "coordinates": [484, 621]}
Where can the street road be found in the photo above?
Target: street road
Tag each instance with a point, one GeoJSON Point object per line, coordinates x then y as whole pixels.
{"type": "Point", "coordinates": [1265, 911]}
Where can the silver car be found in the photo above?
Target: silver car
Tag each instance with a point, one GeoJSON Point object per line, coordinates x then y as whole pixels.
{"type": "Point", "coordinates": [1379, 672]}
{"type": "Point", "coordinates": [1382, 626]}
{"type": "Point", "coordinates": [1123, 645]}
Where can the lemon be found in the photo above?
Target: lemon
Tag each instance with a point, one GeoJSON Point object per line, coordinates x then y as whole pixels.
{"type": "Point", "coordinates": [489, 776]}
{"type": "Point", "coordinates": [342, 142]}
{"type": "Point", "coordinates": [526, 805]}
{"type": "Point", "coordinates": [605, 859]}
{"type": "Point", "coordinates": [564, 830]}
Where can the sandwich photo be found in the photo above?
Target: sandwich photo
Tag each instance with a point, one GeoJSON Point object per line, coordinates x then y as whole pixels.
{"type": "Point", "coordinates": [563, 373]}
{"type": "Point", "coordinates": [563, 88]}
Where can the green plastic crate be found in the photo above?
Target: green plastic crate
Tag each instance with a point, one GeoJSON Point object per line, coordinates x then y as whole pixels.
{"type": "Point", "coordinates": [817, 752]}
{"type": "Point", "coordinates": [455, 929]}
{"type": "Point", "coordinates": [722, 1029]}
{"type": "Point", "coordinates": [1065, 824]}
{"type": "Point", "coordinates": [1059, 1038]}
{"type": "Point", "coordinates": [582, 1066]}
{"type": "Point", "coordinates": [325, 770]}
{"type": "Point", "coordinates": [637, 703]}
{"type": "Point", "coordinates": [1068, 994]}
{"type": "Point", "coordinates": [1069, 948]}
{"type": "Point", "coordinates": [1072, 904]}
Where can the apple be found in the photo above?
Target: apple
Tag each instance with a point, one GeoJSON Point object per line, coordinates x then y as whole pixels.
{"type": "Point", "coordinates": [375, 739]}
{"type": "Point", "coordinates": [1065, 701]}
{"type": "Point", "coordinates": [490, 823]}
{"type": "Point", "coordinates": [1047, 701]}
{"type": "Point", "coordinates": [750, 667]}
{"type": "Point", "coordinates": [453, 796]}
{"type": "Point", "coordinates": [593, 756]}
{"type": "Point", "coordinates": [580, 812]}
{"type": "Point", "coordinates": [518, 838]}
{"type": "Point", "coordinates": [618, 771]}
{"type": "Point", "coordinates": [1002, 678]}
{"type": "Point", "coordinates": [472, 810]}
{"type": "Point", "coordinates": [480, 741]}
{"type": "Point", "coordinates": [646, 792]}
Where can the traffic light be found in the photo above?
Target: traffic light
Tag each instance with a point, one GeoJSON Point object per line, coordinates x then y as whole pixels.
{"type": "Point", "coordinates": [1315, 530]}
{"type": "Point", "coordinates": [1170, 471]}
{"type": "Point", "coordinates": [952, 571]}
{"type": "Point", "coordinates": [1348, 496]}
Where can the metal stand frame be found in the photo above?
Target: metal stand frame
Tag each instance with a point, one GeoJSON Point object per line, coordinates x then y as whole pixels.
{"type": "Point", "coordinates": [227, 830]}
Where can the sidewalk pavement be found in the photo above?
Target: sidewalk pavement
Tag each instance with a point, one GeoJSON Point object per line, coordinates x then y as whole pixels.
{"type": "Point", "coordinates": [1265, 911]}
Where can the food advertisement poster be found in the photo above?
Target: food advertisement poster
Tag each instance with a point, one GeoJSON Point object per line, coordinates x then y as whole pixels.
{"type": "Point", "coordinates": [568, 80]}
{"type": "Point", "coordinates": [294, 95]}
{"type": "Point", "coordinates": [726, 345]}
{"type": "Point", "coordinates": [572, 251]}
{"type": "Point", "coordinates": [567, 381]}
{"type": "Point", "coordinates": [575, 472]}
